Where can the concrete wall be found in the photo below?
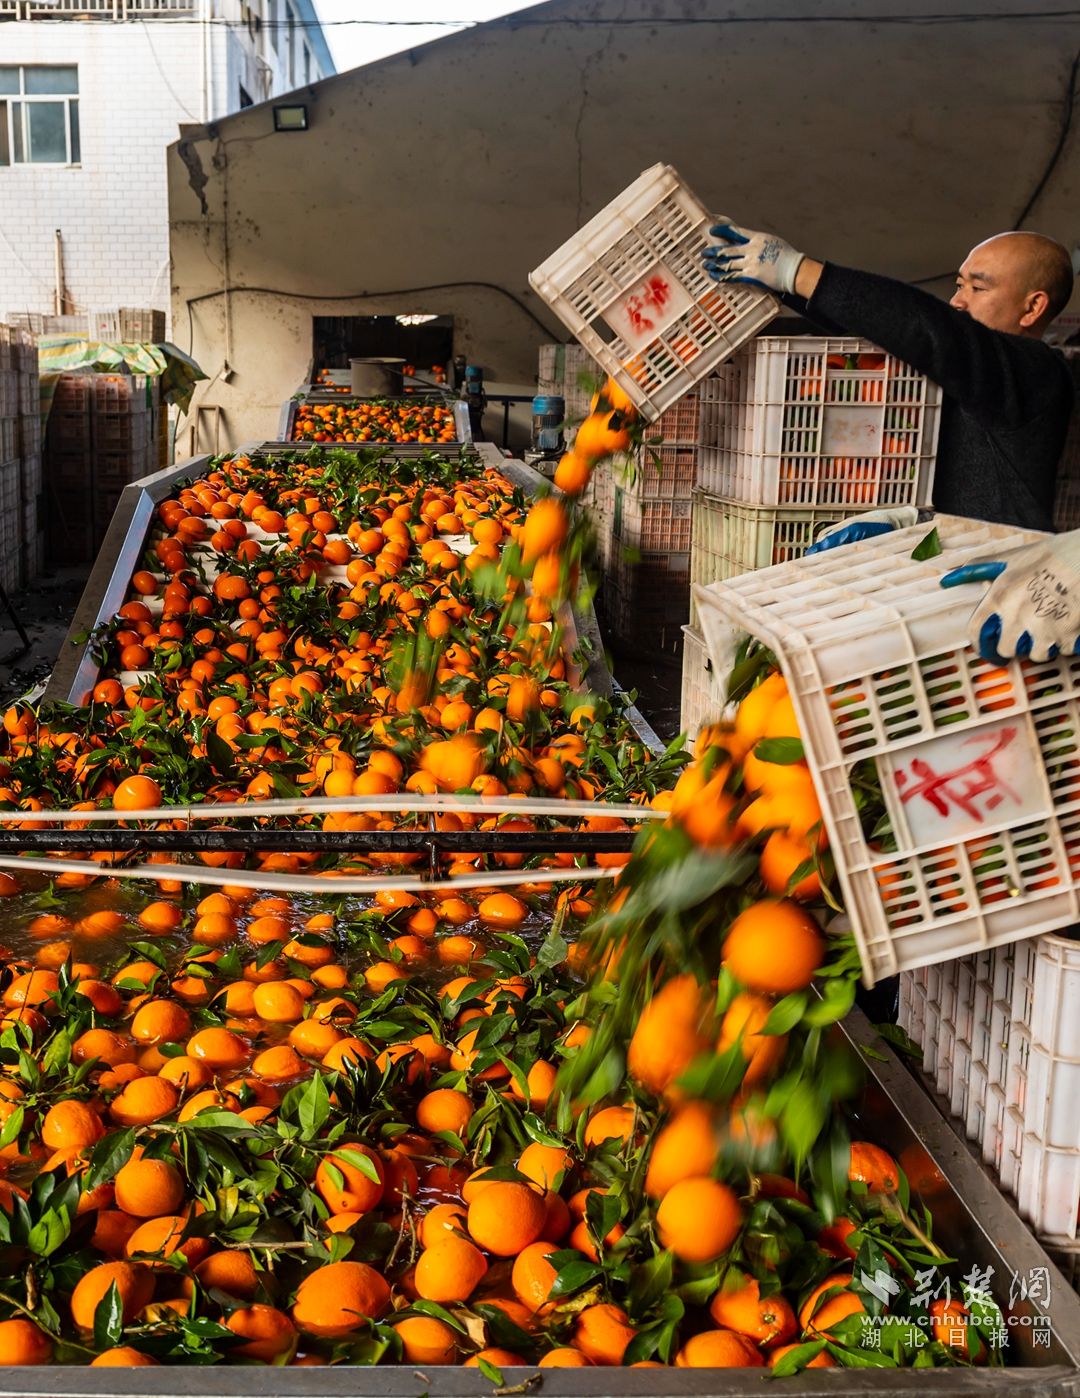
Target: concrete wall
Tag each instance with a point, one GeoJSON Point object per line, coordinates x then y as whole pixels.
{"type": "Point", "coordinates": [138, 82]}
{"type": "Point", "coordinates": [888, 145]}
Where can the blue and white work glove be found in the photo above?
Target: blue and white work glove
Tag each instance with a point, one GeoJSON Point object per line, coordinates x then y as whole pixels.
{"type": "Point", "coordinates": [1032, 606]}
{"type": "Point", "coordinates": [745, 256]}
{"type": "Point", "coordinates": [867, 526]}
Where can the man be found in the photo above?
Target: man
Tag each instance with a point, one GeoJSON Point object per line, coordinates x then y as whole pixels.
{"type": "Point", "coordinates": [1005, 410]}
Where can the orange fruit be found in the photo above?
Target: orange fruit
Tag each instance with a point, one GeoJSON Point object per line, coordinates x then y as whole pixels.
{"type": "Point", "coordinates": [71, 1125]}
{"type": "Point", "coordinates": [339, 1298]}
{"type": "Point", "coordinates": [686, 1146]}
{"type": "Point", "coordinates": [533, 1276]}
{"type": "Point", "coordinates": [144, 1100]}
{"type": "Point", "coordinates": [609, 1124]}
{"type": "Point", "coordinates": [774, 946]}
{"type": "Point", "coordinates": [266, 1331]}
{"type": "Point", "coordinates": [817, 1314]}
{"type": "Point", "coordinates": [22, 1342]}
{"type": "Point", "coordinates": [874, 1167]}
{"type": "Point", "coordinates": [718, 1349]}
{"type": "Point", "coordinates": [546, 527]}
{"type": "Point", "coordinates": [699, 1219]}
{"type": "Point", "coordinates": [564, 1357]}
{"type": "Point", "coordinates": [445, 1109]}
{"type": "Point", "coordinates": [123, 1357]}
{"type": "Point", "coordinates": [546, 1166]}
{"type": "Point", "coordinates": [441, 1219]}
{"type": "Point", "coordinates": [670, 1033]}
{"type": "Point", "coordinates": [450, 1270]}
{"type": "Point", "coordinates": [602, 1333]}
{"type": "Point", "coordinates": [133, 1281]}
{"type": "Point", "coordinates": [218, 1048]}
{"type": "Point", "coordinates": [149, 1188]}
{"type": "Point", "coordinates": [425, 1340]}
{"type": "Point", "coordinates": [739, 1305]}
{"type": "Point", "coordinates": [346, 1184]}
{"type": "Point", "coordinates": [743, 1022]}
{"type": "Point", "coordinates": [160, 1021]}
{"type": "Point", "coordinates": [137, 793]}
{"type": "Point", "coordinates": [506, 1217]}
{"type": "Point", "coordinates": [231, 1271]}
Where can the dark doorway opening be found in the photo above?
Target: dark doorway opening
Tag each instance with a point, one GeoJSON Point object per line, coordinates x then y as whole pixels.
{"type": "Point", "coordinates": [424, 346]}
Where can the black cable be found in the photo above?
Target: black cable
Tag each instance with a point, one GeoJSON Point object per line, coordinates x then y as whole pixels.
{"type": "Point", "coordinates": [512, 21]}
{"type": "Point", "coordinates": [368, 296]}
{"type": "Point", "coordinates": [1063, 136]}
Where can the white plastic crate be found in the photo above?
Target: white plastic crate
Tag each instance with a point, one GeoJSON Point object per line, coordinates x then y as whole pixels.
{"type": "Point", "coordinates": [810, 421]}
{"type": "Point", "coordinates": [631, 286]}
{"type": "Point", "coordinates": [729, 537]}
{"type": "Point", "coordinates": [979, 765]}
{"type": "Point", "coordinates": [702, 691]}
{"type": "Point", "coordinates": [1048, 1184]}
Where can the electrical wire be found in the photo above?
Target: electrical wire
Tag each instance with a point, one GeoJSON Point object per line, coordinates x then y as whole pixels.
{"type": "Point", "coordinates": [368, 296]}
{"type": "Point", "coordinates": [514, 21]}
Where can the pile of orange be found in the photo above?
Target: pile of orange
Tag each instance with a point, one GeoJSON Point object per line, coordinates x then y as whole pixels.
{"type": "Point", "coordinates": [374, 420]}
{"type": "Point", "coordinates": [242, 1128]}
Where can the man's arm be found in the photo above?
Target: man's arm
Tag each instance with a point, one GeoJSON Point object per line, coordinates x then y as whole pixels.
{"type": "Point", "coordinates": [1002, 379]}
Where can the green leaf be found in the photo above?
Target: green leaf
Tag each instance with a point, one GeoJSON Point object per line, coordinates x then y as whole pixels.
{"type": "Point", "coordinates": [929, 547]}
{"type": "Point", "coordinates": [490, 1371]}
{"type": "Point", "coordinates": [58, 1053]}
{"type": "Point", "coordinates": [361, 1162]}
{"type": "Point", "coordinates": [573, 1277]}
{"type": "Point", "coordinates": [50, 1232]}
{"type": "Point", "coordinates": [109, 1155]}
{"type": "Point", "coordinates": [837, 998]}
{"type": "Point", "coordinates": [12, 1127]}
{"type": "Point", "coordinates": [797, 1359]}
{"type": "Point", "coordinates": [781, 751]}
{"type": "Point", "coordinates": [109, 1319]}
{"type": "Point", "coordinates": [786, 1013]}
{"type": "Point", "coordinates": [314, 1106]}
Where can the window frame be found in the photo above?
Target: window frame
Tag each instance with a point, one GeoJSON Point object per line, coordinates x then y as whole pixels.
{"type": "Point", "coordinates": [16, 139]}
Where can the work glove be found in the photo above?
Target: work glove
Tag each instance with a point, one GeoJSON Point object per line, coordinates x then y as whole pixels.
{"type": "Point", "coordinates": [867, 526]}
{"type": "Point", "coordinates": [762, 259]}
{"type": "Point", "coordinates": [1032, 606]}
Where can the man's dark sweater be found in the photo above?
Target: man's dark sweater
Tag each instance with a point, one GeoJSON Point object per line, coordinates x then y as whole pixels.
{"type": "Point", "coordinates": [1007, 398]}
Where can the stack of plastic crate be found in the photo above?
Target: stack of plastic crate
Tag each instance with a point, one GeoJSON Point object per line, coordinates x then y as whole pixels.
{"type": "Point", "coordinates": [1000, 1040]}
{"type": "Point", "coordinates": [798, 433]}
{"type": "Point", "coordinates": [123, 434]}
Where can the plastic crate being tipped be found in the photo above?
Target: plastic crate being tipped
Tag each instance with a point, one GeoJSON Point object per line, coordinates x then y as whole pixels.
{"type": "Point", "coordinates": [631, 286]}
{"type": "Point", "coordinates": [811, 422]}
{"type": "Point", "coordinates": [976, 840]}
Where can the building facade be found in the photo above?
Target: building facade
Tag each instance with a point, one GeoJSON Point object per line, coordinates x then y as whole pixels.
{"type": "Point", "coordinates": [92, 92]}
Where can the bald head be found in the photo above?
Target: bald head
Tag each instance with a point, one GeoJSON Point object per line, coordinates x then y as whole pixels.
{"type": "Point", "coordinates": [1015, 282]}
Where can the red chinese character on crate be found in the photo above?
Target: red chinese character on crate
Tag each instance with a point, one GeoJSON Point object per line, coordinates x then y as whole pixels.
{"type": "Point", "coordinates": [974, 788]}
{"type": "Point", "coordinates": [635, 314]}
{"type": "Point", "coordinates": [657, 292]}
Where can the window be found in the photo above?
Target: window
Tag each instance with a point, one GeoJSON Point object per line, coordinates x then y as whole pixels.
{"type": "Point", "coordinates": [245, 98]}
{"type": "Point", "coordinates": [307, 65]}
{"type": "Point", "coordinates": [39, 116]}
{"type": "Point", "coordinates": [292, 46]}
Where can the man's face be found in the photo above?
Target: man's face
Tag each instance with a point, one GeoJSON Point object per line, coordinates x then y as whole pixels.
{"type": "Point", "coordinates": [993, 288]}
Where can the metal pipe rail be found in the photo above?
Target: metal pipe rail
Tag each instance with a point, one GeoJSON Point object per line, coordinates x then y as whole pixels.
{"type": "Point", "coordinates": [328, 841]}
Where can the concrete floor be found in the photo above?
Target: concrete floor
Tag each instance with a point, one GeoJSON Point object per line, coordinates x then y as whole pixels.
{"type": "Point", "coordinates": [45, 609]}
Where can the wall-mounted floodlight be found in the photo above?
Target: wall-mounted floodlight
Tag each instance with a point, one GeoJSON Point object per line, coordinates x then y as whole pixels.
{"type": "Point", "coordinates": [291, 118]}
